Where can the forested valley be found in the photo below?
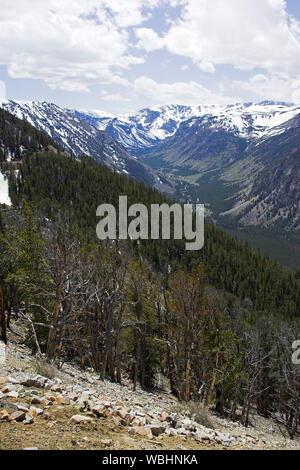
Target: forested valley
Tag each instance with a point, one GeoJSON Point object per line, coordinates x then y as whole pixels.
{"type": "Point", "coordinates": [218, 325]}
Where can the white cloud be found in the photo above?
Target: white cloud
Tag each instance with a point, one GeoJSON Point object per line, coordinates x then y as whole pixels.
{"type": "Point", "coordinates": [69, 44]}
{"type": "Point", "coordinates": [117, 97]}
{"type": "Point", "coordinates": [206, 66]}
{"type": "Point", "coordinates": [148, 39]}
{"type": "Point", "coordinates": [187, 93]}
{"type": "Point", "coordinates": [247, 34]}
{"type": "Point", "coordinates": [2, 90]}
{"type": "Point", "coordinates": [74, 45]}
{"type": "Point", "coordinates": [268, 87]}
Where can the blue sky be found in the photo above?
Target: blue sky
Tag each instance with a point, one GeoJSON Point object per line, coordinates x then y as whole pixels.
{"type": "Point", "coordinates": [121, 55]}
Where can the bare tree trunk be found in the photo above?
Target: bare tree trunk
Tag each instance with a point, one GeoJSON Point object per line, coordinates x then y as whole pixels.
{"type": "Point", "coordinates": [3, 320]}
{"type": "Point", "coordinates": [137, 362]}
{"type": "Point", "coordinates": [93, 339]}
{"type": "Point", "coordinates": [9, 311]}
{"type": "Point", "coordinates": [107, 341]}
{"type": "Point", "coordinates": [211, 389]}
{"type": "Point", "coordinates": [118, 346]}
{"type": "Point", "coordinates": [52, 343]}
{"type": "Point", "coordinates": [52, 340]}
{"type": "Point", "coordinates": [187, 377]}
{"type": "Point", "coordinates": [212, 384]}
{"type": "Point", "coordinates": [142, 366]}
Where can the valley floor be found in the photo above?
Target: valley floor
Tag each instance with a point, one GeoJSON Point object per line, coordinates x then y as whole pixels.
{"type": "Point", "coordinates": [75, 410]}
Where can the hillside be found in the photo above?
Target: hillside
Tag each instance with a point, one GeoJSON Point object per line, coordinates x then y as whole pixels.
{"type": "Point", "coordinates": [18, 138]}
{"type": "Point", "coordinates": [232, 145]}
{"type": "Point", "coordinates": [206, 325]}
{"type": "Point", "coordinates": [272, 194]}
{"type": "Point", "coordinates": [71, 409]}
{"type": "Point", "coordinates": [78, 137]}
{"type": "Point", "coordinates": [221, 156]}
{"type": "Point", "coordinates": [53, 182]}
{"type": "Point", "coordinates": [259, 177]}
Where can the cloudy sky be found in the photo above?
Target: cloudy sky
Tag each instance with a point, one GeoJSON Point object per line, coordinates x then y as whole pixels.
{"type": "Point", "coordinates": [122, 55]}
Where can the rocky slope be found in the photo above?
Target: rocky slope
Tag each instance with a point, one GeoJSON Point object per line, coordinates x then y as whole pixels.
{"type": "Point", "coordinates": [73, 409]}
{"type": "Point", "coordinates": [270, 175]}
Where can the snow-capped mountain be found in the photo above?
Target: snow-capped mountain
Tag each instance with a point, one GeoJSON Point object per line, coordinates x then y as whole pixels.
{"type": "Point", "coordinates": [152, 125]}
{"type": "Point", "coordinates": [270, 168]}
{"type": "Point", "coordinates": [4, 192]}
{"type": "Point", "coordinates": [79, 137]}
{"type": "Point", "coordinates": [241, 145]}
{"type": "Point", "coordinates": [148, 127]}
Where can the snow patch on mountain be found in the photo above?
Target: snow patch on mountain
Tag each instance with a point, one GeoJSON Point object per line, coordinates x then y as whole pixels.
{"type": "Point", "coordinates": [4, 190]}
{"type": "Point", "coordinates": [152, 125]}
{"type": "Point", "coordinates": [83, 136]}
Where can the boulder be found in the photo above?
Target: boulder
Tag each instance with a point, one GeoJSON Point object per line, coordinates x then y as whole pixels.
{"type": "Point", "coordinates": [78, 419]}
{"type": "Point", "coordinates": [106, 442]}
{"type": "Point", "coordinates": [142, 431]}
{"type": "Point", "coordinates": [12, 380]}
{"type": "Point", "coordinates": [28, 419]}
{"type": "Point", "coordinates": [8, 388]}
{"type": "Point", "coordinates": [100, 412]}
{"type": "Point", "coordinates": [4, 416]}
{"type": "Point", "coordinates": [36, 411]}
{"type": "Point", "coordinates": [18, 416]}
{"type": "Point", "coordinates": [123, 414]}
{"type": "Point", "coordinates": [56, 388]}
{"type": "Point", "coordinates": [23, 407]}
{"type": "Point", "coordinates": [38, 381]}
{"type": "Point", "coordinates": [157, 430]}
{"type": "Point", "coordinates": [137, 422]}
{"type": "Point", "coordinates": [36, 401]}
{"type": "Point", "coordinates": [13, 395]}
{"type": "Point", "coordinates": [202, 436]}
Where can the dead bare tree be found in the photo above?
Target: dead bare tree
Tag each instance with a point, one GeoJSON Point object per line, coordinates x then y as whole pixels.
{"type": "Point", "coordinates": [3, 336]}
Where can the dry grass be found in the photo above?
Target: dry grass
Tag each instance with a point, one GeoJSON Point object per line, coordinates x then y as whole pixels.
{"type": "Point", "coordinates": [45, 369]}
{"type": "Point", "coordinates": [31, 365]}
{"type": "Point", "coordinates": [195, 411]}
{"type": "Point", "coordinates": [13, 362]}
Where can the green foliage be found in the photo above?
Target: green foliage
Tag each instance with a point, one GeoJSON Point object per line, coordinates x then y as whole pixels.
{"type": "Point", "coordinates": [28, 269]}
{"type": "Point", "coordinates": [18, 138]}
{"type": "Point", "coordinates": [56, 183]}
{"type": "Point", "coordinates": [142, 295]}
{"type": "Point", "coordinates": [216, 323]}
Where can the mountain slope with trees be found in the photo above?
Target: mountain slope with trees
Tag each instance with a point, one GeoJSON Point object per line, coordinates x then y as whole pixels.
{"type": "Point", "coordinates": [78, 137]}
{"type": "Point", "coordinates": [218, 324]}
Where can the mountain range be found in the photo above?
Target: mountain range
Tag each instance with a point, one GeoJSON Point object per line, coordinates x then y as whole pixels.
{"type": "Point", "coordinates": [152, 125]}
{"type": "Point", "coordinates": [241, 160]}
{"type": "Point", "coordinates": [79, 137]}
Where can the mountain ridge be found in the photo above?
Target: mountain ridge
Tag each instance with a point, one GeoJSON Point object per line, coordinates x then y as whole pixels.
{"type": "Point", "coordinates": [79, 137]}
{"type": "Point", "coordinates": [174, 146]}
{"type": "Point", "coordinates": [151, 125]}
